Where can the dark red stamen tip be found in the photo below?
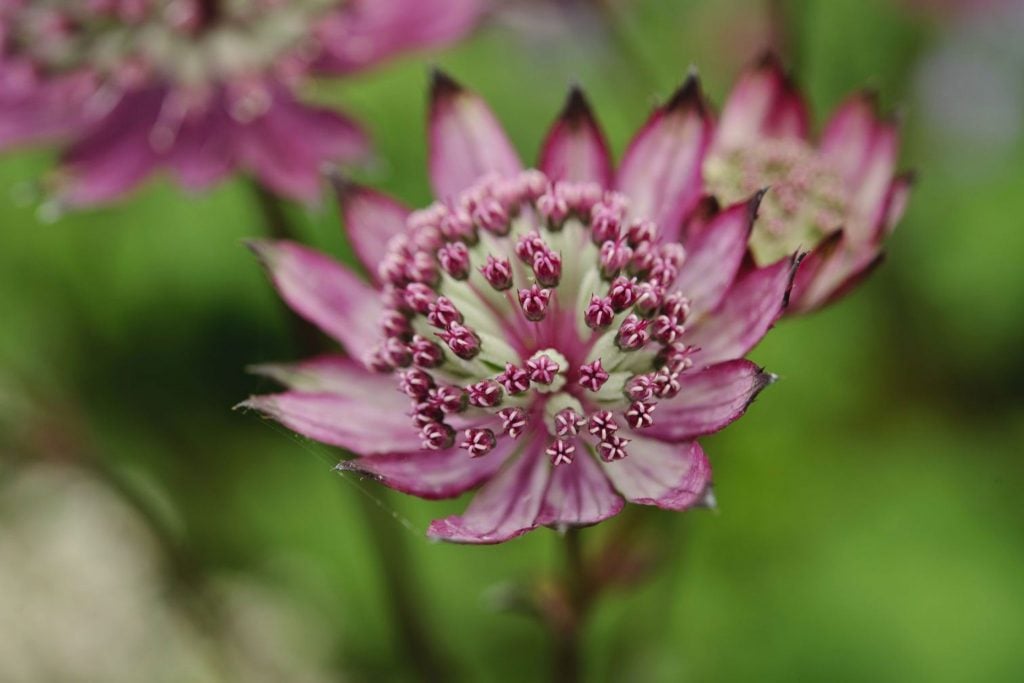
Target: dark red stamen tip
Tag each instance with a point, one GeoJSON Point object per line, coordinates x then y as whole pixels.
{"type": "Point", "coordinates": [561, 452]}
{"type": "Point", "coordinates": [640, 415]}
{"type": "Point", "coordinates": [593, 376]}
{"type": "Point", "coordinates": [479, 442]}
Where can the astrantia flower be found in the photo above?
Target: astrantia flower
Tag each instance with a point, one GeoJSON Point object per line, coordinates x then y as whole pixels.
{"type": "Point", "coordinates": [539, 333]}
{"type": "Point", "coordinates": [838, 199]}
{"type": "Point", "coordinates": [201, 87]}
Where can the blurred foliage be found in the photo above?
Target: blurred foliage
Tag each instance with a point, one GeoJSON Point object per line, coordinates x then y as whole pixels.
{"type": "Point", "coordinates": [870, 525]}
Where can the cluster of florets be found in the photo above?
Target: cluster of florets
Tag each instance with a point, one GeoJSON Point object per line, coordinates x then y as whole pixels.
{"type": "Point", "coordinates": [808, 198]}
{"type": "Point", "coordinates": [529, 305]}
{"type": "Point", "coordinates": [189, 43]}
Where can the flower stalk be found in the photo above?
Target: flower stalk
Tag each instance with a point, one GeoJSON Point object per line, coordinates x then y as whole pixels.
{"type": "Point", "coordinates": [400, 589]}
{"type": "Point", "coordinates": [567, 633]}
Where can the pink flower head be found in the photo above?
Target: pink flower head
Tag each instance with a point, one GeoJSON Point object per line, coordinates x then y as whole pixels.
{"type": "Point", "coordinates": [578, 396]}
{"type": "Point", "coordinates": [838, 199]}
{"type": "Point", "coordinates": [198, 87]}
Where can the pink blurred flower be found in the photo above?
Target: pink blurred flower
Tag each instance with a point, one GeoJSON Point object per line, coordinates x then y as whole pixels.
{"type": "Point", "coordinates": [542, 334]}
{"type": "Point", "coordinates": [839, 198]}
{"type": "Point", "coordinates": [200, 87]}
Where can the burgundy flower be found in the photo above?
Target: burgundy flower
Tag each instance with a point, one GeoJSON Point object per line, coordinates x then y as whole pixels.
{"type": "Point", "coordinates": [574, 405]}
{"type": "Point", "coordinates": [838, 199]}
{"type": "Point", "coordinates": [199, 87]}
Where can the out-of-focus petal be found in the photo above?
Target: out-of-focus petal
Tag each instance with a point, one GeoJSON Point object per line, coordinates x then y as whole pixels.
{"type": "Point", "coordinates": [366, 32]}
{"type": "Point", "coordinates": [575, 148]}
{"type": "Point", "coordinates": [465, 139]}
{"type": "Point", "coordinates": [432, 474]}
{"type": "Point", "coordinates": [369, 418]}
{"type": "Point", "coordinates": [848, 134]}
{"type": "Point", "coordinates": [371, 219]}
{"type": "Point", "coordinates": [895, 204]}
{"type": "Point", "coordinates": [323, 292]}
{"type": "Point", "coordinates": [34, 109]}
{"type": "Point", "coordinates": [507, 506]}
{"type": "Point", "coordinates": [661, 169]}
{"type": "Point", "coordinates": [835, 267]}
{"type": "Point", "coordinates": [764, 103]}
{"type": "Point", "coordinates": [288, 146]}
{"type": "Point", "coordinates": [579, 494]}
{"type": "Point", "coordinates": [671, 476]}
{"type": "Point", "coordinates": [714, 255]}
{"type": "Point", "coordinates": [747, 312]}
{"type": "Point", "coordinates": [708, 400]}
{"type": "Point", "coordinates": [864, 149]}
{"type": "Point", "coordinates": [116, 154]}
{"type": "Point", "coordinates": [808, 289]}
{"type": "Point", "coordinates": [855, 269]}
{"type": "Point", "coordinates": [203, 151]}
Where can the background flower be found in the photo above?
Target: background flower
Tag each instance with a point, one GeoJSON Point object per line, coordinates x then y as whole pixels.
{"type": "Point", "coordinates": [199, 88]}
{"type": "Point", "coordinates": [840, 200]}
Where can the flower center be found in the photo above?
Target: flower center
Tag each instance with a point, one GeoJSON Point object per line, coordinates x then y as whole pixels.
{"type": "Point", "coordinates": [190, 43]}
{"type": "Point", "coordinates": [526, 306]}
{"type": "Point", "coordinates": [807, 201]}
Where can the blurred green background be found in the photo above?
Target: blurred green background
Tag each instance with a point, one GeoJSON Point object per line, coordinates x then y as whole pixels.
{"type": "Point", "coordinates": [870, 523]}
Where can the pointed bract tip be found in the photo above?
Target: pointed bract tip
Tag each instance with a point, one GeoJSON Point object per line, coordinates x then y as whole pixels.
{"type": "Point", "coordinates": [707, 499]}
{"type": "Point", "coordinates": [688, 95]}
{"type": "Point", "coordinates": [794, 265]}
{"type": "Point", "coordinates": [264, 250]}
{"type": "Point", "coordinates": [770, 62]}
{"type": "Point", "coordinates": [343, 186]}
{"type": "Point", "coordinates": [754, 203]}
{"type": "Point", "coordinates": [764, 379]}
{"type": "Point", "coordinates": [869, 98]}
{"type": "Point", "coordinates": [577, 109]}
{"type": "Point", "coordinates": [257, 245]}
{"type": "Point", "coordinates": [250, 403]}
{"type": "Point", "coordinates": [442, 85]}
{"type": "Point", "coordinates": [761, 380]}
{"type": "Point", "coordinates": [768, 59]}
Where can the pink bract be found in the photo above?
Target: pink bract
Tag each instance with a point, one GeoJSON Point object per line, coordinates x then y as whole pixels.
{"type": "Point", "coordinates": [839, 198]}
{"type": "Point", "coordinates": [545, 334]}
{"type": "Point", "coordinates": [197, 87]}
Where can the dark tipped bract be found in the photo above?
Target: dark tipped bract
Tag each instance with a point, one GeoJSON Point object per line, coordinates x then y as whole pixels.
{"type": "Point", "coordinates": [770, 62]}
{"type": "Point", "coordinates": [769, 59]}
{"type": "Point", "coordinates": [795, 261]}
{"type": "Point", "coordinates": [754, 203]}
{"type": "Point", "coordinates": [577, 109]}
{"type": "Point", "coordinates": [687, 96]}
{"type": "Point", "coordinates": [343, 186]}
{"type": "Point", "coordinates": [442, 85]}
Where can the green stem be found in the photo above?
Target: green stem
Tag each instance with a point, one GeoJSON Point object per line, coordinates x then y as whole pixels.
{"type": "Point", "coordinates": [566, 660]}
{"type": "Point", "coordinates": [399, 587]}
{"type": "Point", "coordinates": [276, 219]}
{"type": "Point", "coordinates": [306, 338]}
